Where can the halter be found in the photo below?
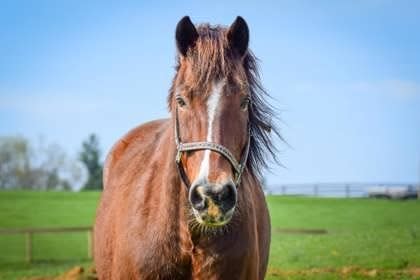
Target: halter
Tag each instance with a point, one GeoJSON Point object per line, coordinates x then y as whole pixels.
{"type": "Point", "coordinates": [239, 167]}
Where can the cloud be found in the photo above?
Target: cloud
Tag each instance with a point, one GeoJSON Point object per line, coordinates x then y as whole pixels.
{"type": "Point", "coordinates": [56, 105]}
{"type": "Point", "coordinates": [52, 104]}
{"type": "Point", "coordinates": [401, 88]}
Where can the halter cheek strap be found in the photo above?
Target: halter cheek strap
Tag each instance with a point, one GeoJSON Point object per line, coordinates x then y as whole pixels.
{"type": "Point", "coordinates": [238, 167]}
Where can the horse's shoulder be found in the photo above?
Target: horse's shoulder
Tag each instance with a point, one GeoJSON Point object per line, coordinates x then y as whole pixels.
{"type": "Point", "coordinates": [140, 137]}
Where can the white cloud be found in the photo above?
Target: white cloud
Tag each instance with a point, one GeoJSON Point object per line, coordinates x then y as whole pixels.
{"type": "Point", "coordinates": [405, 89]}
{"type": "Point", "coordinates": [59, 105]}
{"type": "Point", "coordinates": [53, 104]}
{"type": "Point", "coordinates": [401, 88]}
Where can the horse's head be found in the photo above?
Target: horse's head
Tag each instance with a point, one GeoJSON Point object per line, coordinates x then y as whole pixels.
{"type": "Point", "coordinates": [210, 102]}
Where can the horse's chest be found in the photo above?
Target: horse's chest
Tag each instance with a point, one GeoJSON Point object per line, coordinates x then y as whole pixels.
{"type": "Point", "coordinates": [164, 259]}
{"type": "Point", "coordinates": [208, 264]}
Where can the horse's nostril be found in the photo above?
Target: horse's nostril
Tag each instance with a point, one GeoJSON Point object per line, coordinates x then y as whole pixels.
{"type": "Point", "coordinates": [227, 196]}
{"type": "Point", "coordinates": [223, 196]}
{"type": "Point", "coordinates": [200, 205]}
{"type": "Point", "coordinates": [228, 192]}
{"type": "Point", "coordinates": [197, 199]}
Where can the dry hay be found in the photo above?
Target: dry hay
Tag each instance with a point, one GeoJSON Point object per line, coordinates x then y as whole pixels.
{"type": "Point", "coordinates": [76, 273]}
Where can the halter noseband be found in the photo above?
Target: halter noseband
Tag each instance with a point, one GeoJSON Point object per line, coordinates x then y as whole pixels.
{"type": "Point", "coordinates": [239, 167]}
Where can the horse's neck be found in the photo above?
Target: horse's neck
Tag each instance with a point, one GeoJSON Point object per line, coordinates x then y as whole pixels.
{"type": "Point", "coordinates": [172, 196]}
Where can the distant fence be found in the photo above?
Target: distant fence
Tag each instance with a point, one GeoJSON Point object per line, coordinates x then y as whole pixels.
{"type": "Point", "coordinates": [30, 232]}
{"type": "Point", "coordinates": [330, 189]}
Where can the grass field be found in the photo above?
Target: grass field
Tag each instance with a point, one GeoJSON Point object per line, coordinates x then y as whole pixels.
{"type": "Point", "coordinates": [366, 238]}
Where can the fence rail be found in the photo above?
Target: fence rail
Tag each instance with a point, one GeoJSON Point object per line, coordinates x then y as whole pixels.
{"type": "Point", "coordinates": [334, 189]}
{"type": "Point", "coordinates": [317, 190]}
{"type": "Point", "coordinates": [30, 232]}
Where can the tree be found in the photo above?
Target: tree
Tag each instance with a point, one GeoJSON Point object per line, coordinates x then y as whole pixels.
{"type": "Point", "coordinates": [14, 162]}
{"type": "Point", "coordinates": [90, 157]}
{"type": "Point", "coordinates": [45, 167]}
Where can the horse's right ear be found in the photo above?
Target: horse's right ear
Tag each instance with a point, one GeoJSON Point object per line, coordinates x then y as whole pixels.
{"type": "Point", "coordinates": [185, 35]}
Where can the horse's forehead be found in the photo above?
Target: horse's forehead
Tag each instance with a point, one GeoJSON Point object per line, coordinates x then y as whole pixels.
{"type": "Point", "coordinates": [203, 92]}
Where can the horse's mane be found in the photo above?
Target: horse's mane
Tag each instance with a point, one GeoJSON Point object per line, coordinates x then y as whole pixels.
{"type": "Point", "coordinates": [212, 59]}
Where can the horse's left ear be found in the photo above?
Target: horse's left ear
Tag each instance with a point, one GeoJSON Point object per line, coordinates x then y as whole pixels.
{"type": "Point", "coordinates": [238, 36]}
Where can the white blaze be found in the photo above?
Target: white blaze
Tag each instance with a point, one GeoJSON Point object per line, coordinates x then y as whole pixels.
{"type": "Point", "coordinates": [212, 104]}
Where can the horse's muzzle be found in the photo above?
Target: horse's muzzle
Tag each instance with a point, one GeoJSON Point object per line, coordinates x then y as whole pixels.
{"type": "Point", "coordinates": [213, 204]}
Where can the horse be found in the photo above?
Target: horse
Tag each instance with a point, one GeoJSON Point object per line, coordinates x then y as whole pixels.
{"type": "Point", "coordinates": [182, 196]}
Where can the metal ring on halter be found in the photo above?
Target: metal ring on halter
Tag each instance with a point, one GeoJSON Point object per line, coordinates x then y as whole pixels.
{"type": "Point", "coordinates": [239, 167]}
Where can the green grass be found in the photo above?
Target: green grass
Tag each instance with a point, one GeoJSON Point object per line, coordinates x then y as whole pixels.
{"type": "Point", "coordinates": [53, 253]}
{"type": "Point", "coordinates": [364, 234]}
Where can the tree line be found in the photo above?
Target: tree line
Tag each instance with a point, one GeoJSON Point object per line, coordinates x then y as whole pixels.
{"type": "Point", "coordinates": [24, 165]}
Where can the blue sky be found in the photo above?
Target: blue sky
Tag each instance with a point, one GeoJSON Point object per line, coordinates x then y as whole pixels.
{"type": "Point", "coordinates": [345, 77]}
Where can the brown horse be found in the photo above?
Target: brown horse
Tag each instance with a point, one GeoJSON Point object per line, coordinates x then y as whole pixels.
{"type": "Point", "coordinates": [182, 197]}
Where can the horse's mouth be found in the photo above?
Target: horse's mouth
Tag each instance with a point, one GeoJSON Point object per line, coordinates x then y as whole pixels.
{"type": "Point", "coordinates": [213, 219]}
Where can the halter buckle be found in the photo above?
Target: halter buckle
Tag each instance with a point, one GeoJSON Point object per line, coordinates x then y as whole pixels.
{"type": "Point", "coordinates": [178, 156]}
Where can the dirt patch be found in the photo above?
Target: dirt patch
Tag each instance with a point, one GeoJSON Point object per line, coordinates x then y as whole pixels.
{"type": "Point", "coordinates": [76, 273]}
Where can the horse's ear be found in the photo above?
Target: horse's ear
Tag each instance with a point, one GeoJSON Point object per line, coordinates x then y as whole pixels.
{"type": "Point", "coordinates": [238, 36]}
{"type": "Point", "coordinates": [185, 35]}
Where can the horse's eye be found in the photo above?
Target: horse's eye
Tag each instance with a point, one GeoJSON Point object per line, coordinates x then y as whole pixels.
{"type": "Point", "coordinates": [180, 101]}
{"type": "Point", "coordinates": [245, 104]}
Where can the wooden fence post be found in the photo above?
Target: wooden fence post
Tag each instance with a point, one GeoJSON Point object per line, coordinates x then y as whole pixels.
{"type": "Point", "coordinates": [28, 246]}
{"type": "Point", "coordinates": [418, 191]}
{"type": "Point", "coordinates": [90, 243]}
{"type": "Point", "coordinates": [347, 191]}
{"type": "Point", "coordinates": [92, 234]}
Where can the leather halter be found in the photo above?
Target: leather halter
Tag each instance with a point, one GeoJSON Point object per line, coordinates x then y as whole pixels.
{"type": "Point", "coordinates": [238, 167]}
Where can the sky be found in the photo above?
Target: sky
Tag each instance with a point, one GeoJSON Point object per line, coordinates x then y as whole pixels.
{"type": "Point", "coordinates": [344, 76]}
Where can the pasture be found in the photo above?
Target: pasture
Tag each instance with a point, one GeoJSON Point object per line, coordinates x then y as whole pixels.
{"type": "Point", "coordinates": [365, 237]}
